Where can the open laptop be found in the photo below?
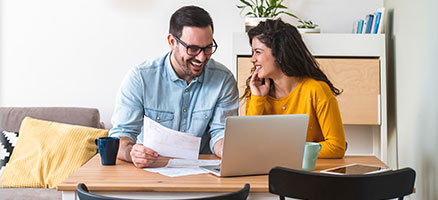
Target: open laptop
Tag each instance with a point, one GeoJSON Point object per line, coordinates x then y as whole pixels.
{"type": "Point", "coordinates": [255, 144]}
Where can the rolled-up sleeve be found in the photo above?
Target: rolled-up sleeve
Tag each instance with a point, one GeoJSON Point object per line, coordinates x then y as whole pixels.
{"type": "Point", "coordinates": [127, 119]}
{"type": "Point", "coordinates": [227, 105]}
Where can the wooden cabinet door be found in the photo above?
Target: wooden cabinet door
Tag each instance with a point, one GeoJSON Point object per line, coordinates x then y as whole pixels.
{"type": "Point", "coordinates": [244, 66]}
{"type": "Point", "coordinates": [359, 78]}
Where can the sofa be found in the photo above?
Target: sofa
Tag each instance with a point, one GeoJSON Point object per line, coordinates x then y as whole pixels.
{"type": "Point", "coordinates": [10, 120]}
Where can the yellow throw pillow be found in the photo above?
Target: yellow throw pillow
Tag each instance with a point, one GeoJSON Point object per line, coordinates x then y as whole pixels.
{"type": "Point", "coordinates": [47, 152]}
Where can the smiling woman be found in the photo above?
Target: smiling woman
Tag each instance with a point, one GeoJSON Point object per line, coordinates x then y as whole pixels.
{"type": "Point", "coordinates": [287, 80]}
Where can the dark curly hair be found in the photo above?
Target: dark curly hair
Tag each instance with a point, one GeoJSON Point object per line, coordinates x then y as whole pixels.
{"type": "Point", "coordinates": [289, 51]}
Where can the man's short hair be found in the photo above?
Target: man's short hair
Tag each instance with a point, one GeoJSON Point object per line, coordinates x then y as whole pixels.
{"type": "Point", "coordinates": [189, 16]}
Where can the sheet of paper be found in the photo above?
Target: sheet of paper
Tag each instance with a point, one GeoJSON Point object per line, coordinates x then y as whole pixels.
{"type": "Point", "coordinates": [183, 167]}
{"type": "Point", "coordinates": [170, 143]}
{"type": "Point", "coordinates": [175, 172]}
{"type": "Point", "coordinates": [180, 163]}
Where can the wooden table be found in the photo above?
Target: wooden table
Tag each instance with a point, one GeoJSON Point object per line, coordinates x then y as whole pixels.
{"type": "Point", "coordinates": [125, 178]}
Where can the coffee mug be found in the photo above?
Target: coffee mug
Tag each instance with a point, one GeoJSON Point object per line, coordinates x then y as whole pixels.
{"type": "Point", "coordinates": [311, 150]}
{"type": "Point", "coordinates": [108, 148]}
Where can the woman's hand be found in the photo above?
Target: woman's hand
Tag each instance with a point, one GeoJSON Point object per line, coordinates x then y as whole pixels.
{"type": "Point", "coordinates": [257, 86]}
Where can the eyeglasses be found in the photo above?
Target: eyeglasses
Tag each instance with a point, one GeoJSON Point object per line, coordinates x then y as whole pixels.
{"type": "Point", "coordinates": [194, 50]}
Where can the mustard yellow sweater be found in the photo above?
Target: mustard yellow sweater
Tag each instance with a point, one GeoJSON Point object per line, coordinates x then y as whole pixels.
{"type": "Point", "coordinates": [314, 98]}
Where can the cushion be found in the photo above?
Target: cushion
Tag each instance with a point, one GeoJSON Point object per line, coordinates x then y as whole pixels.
{"type": "Point", "coordinates": [7, 144]}
{"type": "Point", "coordinates": [11, 117]}
{"type": "Point", "coordinates": [48, 152]}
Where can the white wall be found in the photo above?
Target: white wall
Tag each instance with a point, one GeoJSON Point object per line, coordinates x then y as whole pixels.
{"type": "Point", "coordinates": [415, 49]}
{"type": "Point", "coordinates": [75, 53]}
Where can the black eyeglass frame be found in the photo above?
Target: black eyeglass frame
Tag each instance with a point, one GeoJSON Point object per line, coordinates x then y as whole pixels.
{"type": "Point", "coordinates": [214, 46]}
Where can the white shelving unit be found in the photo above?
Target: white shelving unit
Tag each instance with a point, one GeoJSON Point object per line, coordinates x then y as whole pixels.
{"type": "Point", "coordinates": [345, 46]}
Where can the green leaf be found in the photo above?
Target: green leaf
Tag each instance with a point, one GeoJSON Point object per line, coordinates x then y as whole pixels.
{"type": "Point", "coordinates": [246, 3]}
{"type": "Point", "coordinates": [266, 8]}
{"type": "Point", "coordinates": [288, 13]}
{"type": "Point", "coordinates": [251, 13]}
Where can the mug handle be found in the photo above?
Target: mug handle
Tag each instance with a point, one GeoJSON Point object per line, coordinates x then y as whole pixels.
{"type": "Point", "coordinates": [320, 147]}
{"type": "Point", "coordinates": [95, 142]}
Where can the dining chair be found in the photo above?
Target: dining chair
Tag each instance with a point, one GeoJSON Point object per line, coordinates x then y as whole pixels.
{"type": "Point", "coordinates": [313, 186]}
{"type": "Point", "coordinates": [242, 194]}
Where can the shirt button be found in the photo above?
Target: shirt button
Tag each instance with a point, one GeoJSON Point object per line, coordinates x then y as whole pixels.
{"type": "Point", "coordinates": [186, 90]}
{"type": "Point", "coordinates": [158, 118]}
{"type": "Point", "coordinates": [184, 110]}
{"type": "Point", "coordinates": [182, 130]}
{"type": "Point", "coordinates": [206, 117]}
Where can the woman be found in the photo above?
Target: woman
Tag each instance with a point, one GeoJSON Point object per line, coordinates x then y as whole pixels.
{"type": "Point", "coordinates": [287, 80]}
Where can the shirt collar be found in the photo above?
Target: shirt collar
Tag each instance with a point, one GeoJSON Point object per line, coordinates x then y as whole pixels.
{"type": "Point", "coordinates": [174, 77]}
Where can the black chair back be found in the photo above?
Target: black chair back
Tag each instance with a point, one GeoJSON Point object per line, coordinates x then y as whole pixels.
{"type": "Point", "coordinates": [242, 194]}
{"type": "Point", "coordinates": [313, 186]}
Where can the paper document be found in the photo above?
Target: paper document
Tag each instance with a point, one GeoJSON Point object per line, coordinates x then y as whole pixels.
{"type": "Point", "coordinates": [173, 163]}
{"type": "Point", "coordinates": [175, 172]}
{"type": "Point", "coordinates": [170, 143]}
{"type": "Point", "coordinates": [182, 167]}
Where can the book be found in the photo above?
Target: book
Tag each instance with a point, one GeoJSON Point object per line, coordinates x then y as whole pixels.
{"type": "Point", "coordinates": [369, 23]}
{"type": "Point", "coordinates": [355, 23]}
{"type": "Point", "coordinates": [381, 27]}
{"type": "Point", "coordinates": [377, 22]}
{"type": "Point", "coordinates": [360, 26]}
{"type": "Point", "coordinates": [374, 22]}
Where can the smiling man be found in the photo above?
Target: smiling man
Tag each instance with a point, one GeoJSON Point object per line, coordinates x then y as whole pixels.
{"type": "Point", "coordinates": [184, 90]}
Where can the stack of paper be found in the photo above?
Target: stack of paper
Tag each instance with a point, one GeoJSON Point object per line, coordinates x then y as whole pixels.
{"type": "Point", "coordinates": [182, 167]}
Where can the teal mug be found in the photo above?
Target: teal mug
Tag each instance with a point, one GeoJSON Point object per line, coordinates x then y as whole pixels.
{"type": "Point", "coordinates": [311, 150]}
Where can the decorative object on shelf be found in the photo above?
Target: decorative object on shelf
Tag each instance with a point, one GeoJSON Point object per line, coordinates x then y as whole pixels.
{"type": "Point", "coordinates": [262, 10]}
{"type": "Point", "coordinates": [308, 27]}
{"type": "Point", "coordinates": [372, 24]}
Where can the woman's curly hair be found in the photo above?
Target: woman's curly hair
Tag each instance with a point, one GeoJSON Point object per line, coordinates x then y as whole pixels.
{"type": "Point", "coordinates": [289, 51]}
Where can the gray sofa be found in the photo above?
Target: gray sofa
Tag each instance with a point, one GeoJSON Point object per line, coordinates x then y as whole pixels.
{"type": "Point", "coordinates": [10, 120]}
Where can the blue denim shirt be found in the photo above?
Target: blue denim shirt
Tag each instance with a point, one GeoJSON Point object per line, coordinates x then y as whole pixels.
{"type": "Point", "coordinates": [154, 90]}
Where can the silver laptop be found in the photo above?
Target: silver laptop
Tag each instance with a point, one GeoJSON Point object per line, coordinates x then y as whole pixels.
{"type": "Point", "coordinates": [255, 144]}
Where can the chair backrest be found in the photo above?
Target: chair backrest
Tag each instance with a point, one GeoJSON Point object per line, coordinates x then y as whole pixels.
{"type": "Point", "coordinates": [84, 194]}
{"type": "Point", "coordinates": [242, 194]}
{"type": "Point", "coordinates": [11, 117]}
{"type": "Point", "coordinates": [308, 185]}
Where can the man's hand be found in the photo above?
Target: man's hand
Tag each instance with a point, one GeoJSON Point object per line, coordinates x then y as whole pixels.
{"type": "Point", "coordinates": [142, 156]}
{"type": "Point", "coordinates": [138, 154]}
{"type": "Point", "coordinates": [218, 148]}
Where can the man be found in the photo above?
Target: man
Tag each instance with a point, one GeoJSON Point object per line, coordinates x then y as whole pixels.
{"type": "Point", "coordinates": [184, 90]}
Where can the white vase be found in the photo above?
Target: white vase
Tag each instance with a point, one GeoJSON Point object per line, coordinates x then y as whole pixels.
{"type": "Point", "coordinates": [251, 22]}
{"type": "Point", "coordinates": [309, 30]}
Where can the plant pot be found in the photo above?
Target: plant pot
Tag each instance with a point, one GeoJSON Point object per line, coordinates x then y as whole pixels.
{"type": "Point", "coordinates": [251, 22]}
{"type": "Point", "coordinates": [309, 30]}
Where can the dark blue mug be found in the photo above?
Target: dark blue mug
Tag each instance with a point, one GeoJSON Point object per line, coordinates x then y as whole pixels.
{"type": "Point", "coordinates": [108, 148]}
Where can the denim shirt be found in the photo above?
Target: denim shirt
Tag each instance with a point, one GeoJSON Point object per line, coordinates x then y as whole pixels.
{"type": "Point", "coordinates": [154, 90]}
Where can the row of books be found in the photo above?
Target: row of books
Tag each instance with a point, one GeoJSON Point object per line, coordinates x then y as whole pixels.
{"type": "Point", "coordinates": [372, 24]}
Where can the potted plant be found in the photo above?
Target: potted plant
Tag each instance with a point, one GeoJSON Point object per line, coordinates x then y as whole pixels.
{"type": "Point", "coordinates": [260, 10]}
{"type": "Point", "coordinates": [307, 27]}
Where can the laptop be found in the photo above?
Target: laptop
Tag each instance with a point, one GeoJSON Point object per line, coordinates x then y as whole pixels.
{"type": "Point", "coordinates": [255, 144]}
